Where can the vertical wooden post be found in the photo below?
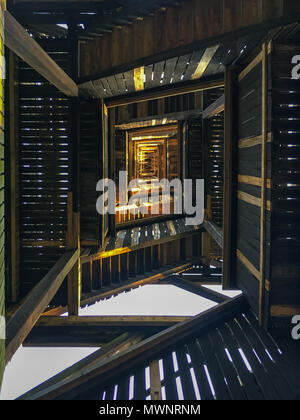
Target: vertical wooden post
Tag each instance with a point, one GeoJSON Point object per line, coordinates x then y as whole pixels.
{"type": "Point", "coordinates": [206, 238]}
{"type": "Point", "coordinates": [112, 162]}
{"type": "Point", "coordinates": [73, 233]}
{"type": "Point", "coordinates": [230, 177]}
{"type": "Point", "coordinates": [2, 289]}
{"type": "Point", "coordinates": [73, 242]}
{"type": "Point", "coordinates": [262, 284]}
{"type": "Point", "coordinates": [13, 159]}
{"type": "Point", "coordinates": [105, 168]}
{"type": "Point", "coordinates": [155, 384]}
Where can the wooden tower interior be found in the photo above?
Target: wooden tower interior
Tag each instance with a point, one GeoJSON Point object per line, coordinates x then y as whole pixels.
{"type": "Point", "coordinates": [152, 90]}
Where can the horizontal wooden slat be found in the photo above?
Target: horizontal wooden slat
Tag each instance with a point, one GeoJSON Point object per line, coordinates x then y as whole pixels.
{"type": "Point", "coordinates": [114, 321]}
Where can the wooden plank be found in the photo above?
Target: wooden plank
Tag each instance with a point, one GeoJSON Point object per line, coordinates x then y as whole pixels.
{"type": "Point", "coordinates": [20, 325]}
{"type": "Point", "coordinates": [148, 349]}
{"type": "Point", "coordinates": [139, 77]}
{"type": "Point", "coordinates": [214, 231]}
{"type": "Point", "coordinates": [105, 254]}
{"type": "Point", "coordinates": [253, 180]}
{"type": "Point", "coordinates": [73, 242]}
{"type": "Point", "coordinates": [155, 385]}
{"type": "Point", "coordinates": [164, 92]}
{"type": "Point", "coordinates": [205, 61]}
{"type": "Point", "coordinates": [251, 199]}
{"type": "Point", "coordinates": [215, 108]}
{"type": "Point", "coordinates": [284, 310]}
{"type": "Point", "coordinates": [248, 264]}
{"type": "Point", "coordinates": [23, 45]}
{"type": "Point", "coordinates": [153, 279]}
{"type": "Point", "coordinates": [110, 321]}
{"type": "Point", "coordinates": [121, 343]}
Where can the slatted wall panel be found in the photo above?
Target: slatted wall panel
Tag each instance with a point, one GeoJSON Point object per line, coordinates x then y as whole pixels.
{"type": "Point", "coordinates": [285, 281]}
{"type": "Point", "coordinates": [90, 170]}
{"type": "Point", "coordinates": [149, 248]}
{"type": "Point", "coordinates": [251, 118]}
{"type": "Point", "coordinates": [2, 233]}
{"type": "Point", "coordinates": [236, 360]}
{"type": "Point", "coordinates": [120, 152]}
{"type": "Point", "coordinates": [194, 149]}
{"type": "Point", "coordinates": [214, 132]}
{"type": "Point", "coordinates": [158, 107]}
{"type": "Point", "coordinates": [44, 167]}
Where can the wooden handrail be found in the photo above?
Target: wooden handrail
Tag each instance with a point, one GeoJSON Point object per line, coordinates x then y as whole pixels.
{"type": "Point", "coordinates": [24, 319]}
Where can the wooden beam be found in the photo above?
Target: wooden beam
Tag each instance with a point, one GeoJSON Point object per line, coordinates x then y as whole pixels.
{"type": "Point", "coordinates": [119, 251]}
{"type": "Point", "coordinates": [215, 108]}
{"type": "Point", "coordinates": [253, 141]}
{"type": "Point", "coordinates": [117, 345]}
{"type": "Point", "coordinates": [253, 180]}
{"type": "Point", "coordinates": [110, 321]}
{"type": "Point", "coordinates": [164, 92]}
{"type": "Point", "coordinates": [283, 311]}
{"type": "Point", "coordinates": [230, 184]}
{"type": "Point", "coordinates": [214, 231]}
{"type": "Point", "coordinates": [14, 194]}
{"type": "Point", "coordinates": [73, 242]}
{"type": "Point", "coordinates": [24, 319]}
{"type": "Point", "coordinates": [254, 201]}
{"type": "Point", "coordinates": [261, 310]}
{"type": "Point", "coordinates": [155, 278]}
{"type": "Point", "coordinates": [24, 46]}
{"type": "Point", "coordinates": [197, 288]}
{"type": "Point", "coordinates": [148, 349]}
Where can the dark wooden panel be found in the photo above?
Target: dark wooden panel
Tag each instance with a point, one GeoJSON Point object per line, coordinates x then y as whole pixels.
{"type": "Point", "coordinates": [44, 170]}
{"type": "Point", "coordinates": [285, 246]}
{"type": "Point", "coordinates": [90, 169]}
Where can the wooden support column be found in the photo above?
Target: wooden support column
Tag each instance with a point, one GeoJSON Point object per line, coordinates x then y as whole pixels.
{"type": "Point", "coordinates": [262, 278]}
{"type": "Point", "coordinates": [230, 182]}
{"type": "Point", "coordinates": [155, 384]}
{"type": "Point", "coordinates": [73, 234]}
{"type": "Point", "coordinates": [13, 171]}
{"type": "Point", "coordinates": [112, 162]}
{"type": "Point", "coordinates": [73, 242]}
{"type": "Point", "coordinates": [206, 238]}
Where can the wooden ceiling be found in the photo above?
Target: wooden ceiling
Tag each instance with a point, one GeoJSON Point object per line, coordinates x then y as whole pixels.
{"type": "Point", "coordinates": [203, 63]}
